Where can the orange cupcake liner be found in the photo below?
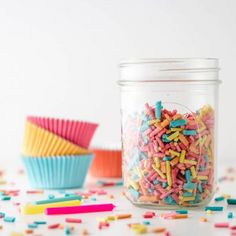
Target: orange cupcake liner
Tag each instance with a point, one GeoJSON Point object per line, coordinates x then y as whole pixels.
{"type": "Point", "coordinates": [106, 163]}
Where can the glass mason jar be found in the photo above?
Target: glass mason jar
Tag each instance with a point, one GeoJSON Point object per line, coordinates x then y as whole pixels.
{"type": "Point", "coordinates": [169, 115]}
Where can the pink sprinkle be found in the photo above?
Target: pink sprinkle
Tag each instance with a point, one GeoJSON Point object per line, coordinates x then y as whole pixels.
{"type": "Point", "coordinates": [221, 225]}
{"type": "Point", "coordinates": [73, 220]}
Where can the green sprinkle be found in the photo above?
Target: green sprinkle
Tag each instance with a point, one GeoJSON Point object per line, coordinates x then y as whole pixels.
{"type": "Point", "coordinates": [32, 226]}
{"type": "Point", "coordinates": [62, 199]}
{"type": "Point", "coordinates": [40, 222]}
{"type": "Point", "coordinates": [230, 215]}
{"type": "Point", "coordinates": [231, 201]}
{"type": "Point", "coordinates": [6, 198]}
{"type": "Point", "coordinates": [9, 219]}
{"type": "Point", "coordinates": [189, 132]}
{"type": "Point", "coordinates": [214, 208]}
{"type": "Point", "coordinates": [219, 199]}
{"type": "Point", "coordinates": [182, 211]}
{"type": "Point", "coordinates": [176, 123]}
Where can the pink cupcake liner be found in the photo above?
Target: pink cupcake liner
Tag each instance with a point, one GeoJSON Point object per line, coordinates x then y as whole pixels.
{"type": "Point", "coordinates": [77, 132]}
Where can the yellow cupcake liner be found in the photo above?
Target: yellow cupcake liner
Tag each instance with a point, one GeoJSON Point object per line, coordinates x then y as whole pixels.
{"type": "Point", "coordinates": [39, 142]}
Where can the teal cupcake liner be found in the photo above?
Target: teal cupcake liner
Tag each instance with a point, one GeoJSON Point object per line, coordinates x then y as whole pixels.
{"type": "Point", "coordinates": [57, 172]}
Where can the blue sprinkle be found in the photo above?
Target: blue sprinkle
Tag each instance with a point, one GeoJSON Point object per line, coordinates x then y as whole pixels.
{"type": "Point", "coordinates": [166, 158]}
{"type": "Point", "coordinates": [93, 199]}
{"type": "Point", "coordinates": [182, 211]}
{"type": "Point", "coordinates": [214, 208]}
{"type": "Point", "coordinates": [134, 193]}
{"type": "Point", "coordinates": [6, 198]}
{"type": "Point", "coordinates": [9, 219]}
{"type": "Point", "coordinates": [146, 222]}
{"type": "Point", "coordinates": [155, 182]}
{"type": "Point", "coordinates": [51, 196]}
{"type": "Point", "coordinates": [164, 138]}
{"type": "Point", "coordinates": [32, 226]}
{"type": "Point", "coordinates": [176, 123]}
{"type": "Point", "coordinates": [164, 185]}
{"type": "Point", "coordinates": [40, 222]}
{"type": "Point", "coordinates": [144, 127]}
{"type": "Point", "coordinates": [67, 230]}
{"type": "Point", "coordinates": [189, 132]}
{"type": "Point", "coordinates": [199, 187]}
{"type": "Point", "coordinates": [219, 199]}
{"type": "Point", "coordinates": [230, 215]}
{"type": "Point", "coordinates": [158, 108]}
{"type": "Point", "coordinates": [187, 194]}
{"type": "Point", "coordinates": [2, 214]}
{"type": "Point", "coordinates": [187, 175]}
{"type": "Point", "coordinates": [189, 185]}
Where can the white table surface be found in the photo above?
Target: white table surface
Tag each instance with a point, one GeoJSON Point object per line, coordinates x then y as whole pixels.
{"type": "Point", "coordinates": [190, 226]}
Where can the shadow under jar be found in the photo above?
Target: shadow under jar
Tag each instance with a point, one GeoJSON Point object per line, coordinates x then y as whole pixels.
{"type": "Point", "coordinates": [169, 116]}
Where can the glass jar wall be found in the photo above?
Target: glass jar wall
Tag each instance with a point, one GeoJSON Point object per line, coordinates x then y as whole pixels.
{"type": "Point", "coordinates": [169, 116]}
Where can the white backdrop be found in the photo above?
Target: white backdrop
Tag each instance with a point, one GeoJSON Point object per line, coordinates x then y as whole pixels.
{"type": "Point", "coordinates": [59, 58]}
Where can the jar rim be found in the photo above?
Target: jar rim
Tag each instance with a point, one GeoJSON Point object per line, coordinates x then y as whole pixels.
{"type": "Point", "coordinates": [173, 63]}
{"type": "Point", "coordinates": [169, 69]}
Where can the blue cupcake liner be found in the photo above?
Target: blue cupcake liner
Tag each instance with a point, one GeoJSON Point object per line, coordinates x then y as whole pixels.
{"type": "Point", "coordinates": [57, 172]}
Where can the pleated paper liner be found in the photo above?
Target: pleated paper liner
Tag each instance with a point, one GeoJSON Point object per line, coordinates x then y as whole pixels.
{"type": "Point", "coordinates": [77, 132]}
{"type": "Point", "coordinates": [40, 142]}
{"type": "Point", "coordinates": [57, 172]}
{"type": "Point", "coordinates": [106, 163]}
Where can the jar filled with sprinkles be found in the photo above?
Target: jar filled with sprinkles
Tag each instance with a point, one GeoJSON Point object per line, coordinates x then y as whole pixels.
{"type": "Point", "coordinates": [169, 120]}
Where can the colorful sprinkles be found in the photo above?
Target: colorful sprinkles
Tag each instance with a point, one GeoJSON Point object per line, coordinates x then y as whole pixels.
{"type": "Point", "coordinates": [144, 222]}
{"type": "Point", "coordinates": [169, 156]}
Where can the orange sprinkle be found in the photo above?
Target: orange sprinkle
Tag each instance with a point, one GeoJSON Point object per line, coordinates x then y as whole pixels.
{"type": "Point", "coordinates": [203, 219]}
{"type": "Point", "coordinates": [29, 231]}
{"type": "Point", "coordinates": [158, 230]}
{"type": "Point", "coordinates": [180, 216]}
{"type": "Point", "coordinates": [123, 216]}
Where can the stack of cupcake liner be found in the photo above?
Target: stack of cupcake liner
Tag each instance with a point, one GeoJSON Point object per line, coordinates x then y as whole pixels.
{"type": "Point", "coordinates": [107, 162]}
{"type": "Point", "coordinates": [55, 152]}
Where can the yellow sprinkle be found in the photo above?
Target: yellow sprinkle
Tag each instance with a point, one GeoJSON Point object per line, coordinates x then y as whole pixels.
{"type": "Point", "coordinates": [203, 219]}
{"type": "Point", "coordinates": [16, 234]}
{"type": "Point", "coordinates": [182, 156]}
{"type": "Point", "coordinates": [176, 129]}
{"type": "Point", "coordinates": [173, 136]}
{"type": "Point", "coordinates": [168, 131]}
{"type": "Point", "coordinates": [186, 199]}
{"type": "Point", "coordinates": [133, 184]}
{"type": "Point", "coordinates": [157, 162]}
{"type": "Point", "coordinates": [29, 209]}
{"type": "Point", "coordinates": [2, 182]}
{"type": "Point", "coordinates": [193, 172]}
{"type": "Point", "coordinates": [165, 123]}
{"type": "Point", "coordinates": [168, 175]}
{"type": "Point", "coordinates": [207, 192]}
{"type": "Point", "coordinates": [208, 212]}
{"type": "Point", "coordinates": [103, 220]}
{"type": "Point", "coordinates": [226, 196]}
{"type": "Point", "coordinates": [159, 172]}
{"type": "Point", "coordinates": [183, 140]}
{"type": "Point", "coordinates": [139, 229]}
{"type": "Point", "coordinates": [174, 161]}
{"type": "Point", "coordinates": [202, 177]}
{"type": "Point", "coordinates": [152, 122]}
{"type": "Point", "coordinates": [174, 153]}
{"type": "Point", "coordinates": [191, 162]}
